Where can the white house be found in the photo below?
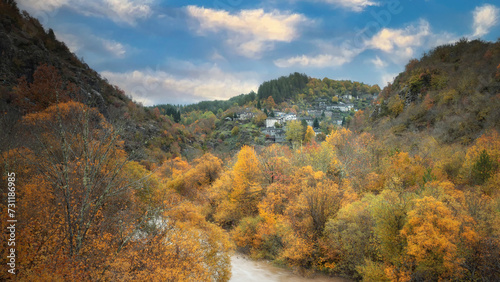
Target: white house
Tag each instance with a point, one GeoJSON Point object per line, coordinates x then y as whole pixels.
{"type": "Point", "coordinates": [245, 115]}
{"type": "Point", "coordinates": [270, 121]}
{"type": "Point", "coordinates": [344, 107]}
{"type": "Point", "coordinates": [275, 134]}
{"type": "Point", "coordinates": [289, 117]}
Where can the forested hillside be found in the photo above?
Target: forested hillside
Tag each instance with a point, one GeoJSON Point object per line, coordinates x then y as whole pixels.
{"type": "Point", "coordinates": [398, 184]}
{"type": "Point", "coordinates": [283, 88]}
{"type": "Point", "coordinates": [33, 54]}
{"type": "Point", "coordinates": [451, 93]}
{"type": "Point", "coordinates": [77, 189]}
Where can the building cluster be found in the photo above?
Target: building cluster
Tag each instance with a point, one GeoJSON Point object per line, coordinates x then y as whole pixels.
{"type": "Point", "coordinates": [245, 115]}
{"type": "Point", "coordinates": [276, 126]}
{"type": "Point", "coordinates": [340, 107]}
{"type": "Point", "coordinates": [277, 135]}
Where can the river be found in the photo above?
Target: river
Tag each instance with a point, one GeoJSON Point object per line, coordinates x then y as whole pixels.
{"type": "Point", "coordinates": [246, 270]}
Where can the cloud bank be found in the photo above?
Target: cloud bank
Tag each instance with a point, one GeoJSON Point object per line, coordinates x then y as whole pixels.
{"type": "Point", "coordinates": [120, 11]}
{"type": "Point", "coordinates": [249, 32]}
{"type": "Point", "coordinates": [206, 82]}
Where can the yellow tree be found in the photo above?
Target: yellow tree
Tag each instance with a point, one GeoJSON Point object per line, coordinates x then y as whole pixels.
{"type": "Point", "coordinates": [309, 137]}
{"type": "Point", "coordinates": [432, 234]}
{"type": "Point", "coordinates": [81, 157]}
{"type": "Point", "coordinates": [408, 171]}
{"type": "Point", "coordinates": [247, 190]}
{"type": "Point", "coordinates": [180, 246]}
{"type": "Point", "coordinates": [41, 238]}
{"type": "Point", "coordinates": [342, 141]}
{"type": "Point", "coordinates": [238, 191]}
{"type": "Point", "coordinates": [294, 132]}
{"type": "Point", "coordinates": [396, 105]}
{"type": "Point", "coordinates": [193, 181]}
{"type": "Point", "coordinates": [356, 155]}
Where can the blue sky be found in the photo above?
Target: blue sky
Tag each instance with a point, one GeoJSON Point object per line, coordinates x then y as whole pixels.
{"type": "Point", "coordinates": [179, 52]}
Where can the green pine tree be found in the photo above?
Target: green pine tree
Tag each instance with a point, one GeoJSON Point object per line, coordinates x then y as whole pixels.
{"type": "Point", "coordinates": [483, 169]}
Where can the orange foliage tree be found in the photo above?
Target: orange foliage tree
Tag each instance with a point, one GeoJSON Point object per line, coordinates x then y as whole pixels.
{"type": "Point", "coordinates": [46, 89]}
{"type": "Point", "coordinates": [193, 180]}
{"type": "Point", "coordinates": [98, 213]}
{"type": "Point", "coordinates": [432, 234]}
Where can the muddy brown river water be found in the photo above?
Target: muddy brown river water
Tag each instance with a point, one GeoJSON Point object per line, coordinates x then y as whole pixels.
{"type": "Point", "coordinates": [246, 270]}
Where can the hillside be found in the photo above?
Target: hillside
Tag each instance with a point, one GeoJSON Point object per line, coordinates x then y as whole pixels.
{"type": "Point", "coordinates": [451, 93]}
{"type": "Point", "coordinates": [25, 46]}
{"type": "Point", "coordinates": [325, 103]}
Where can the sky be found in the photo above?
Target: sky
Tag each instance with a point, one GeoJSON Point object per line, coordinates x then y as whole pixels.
{"type": "Point", "coordinates": [182, 52]}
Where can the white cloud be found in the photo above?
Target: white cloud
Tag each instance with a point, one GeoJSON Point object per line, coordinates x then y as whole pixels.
{"type": "Point", "coordinates": [114, 48]}
{"type": "Point", "coordinates": [199, 83]}
{"type": "Point", "coordinates": [329, 55]}
{"type": "Point", "coordinates": [378, 62]}
{"type": "Point", "coordinates": [320, 61]}
{"type": "Point", "coordinates": [45, 6]}
{"type": "Point", "coordinates": [402, 44]}
{"type": "Point", "coordinates": [354, 5]}
{"type": "Point", "coordinates": [386, 78]}
{"type": "Point", "coordinates": [216, 56]}
{"type": "Point", "coordinates": [86, 42]}
{"type": "Point", "coordinates": [396, 45]}
{"type": "Point", "coordinates": [389, 39]}
{"type": "Point", "coordinates": [121, 11]}
{"type": "Point", "coordinates": [485, 17]}
{"type": "Point", "coordinates": [249, 32]}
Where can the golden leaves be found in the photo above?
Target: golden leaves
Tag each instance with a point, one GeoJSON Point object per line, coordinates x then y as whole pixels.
{"type": "Point", "coordinates": [432, 234]}
{"type": "Point", "coordinates": [309, 136]}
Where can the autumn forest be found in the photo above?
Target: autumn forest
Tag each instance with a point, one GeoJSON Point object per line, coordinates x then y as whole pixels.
{"type": "Point", "coordinates": [404, 187]}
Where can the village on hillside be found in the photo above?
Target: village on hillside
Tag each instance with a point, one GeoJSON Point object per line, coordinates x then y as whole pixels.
{"type": "Point", "coordinates": [320, 111]}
